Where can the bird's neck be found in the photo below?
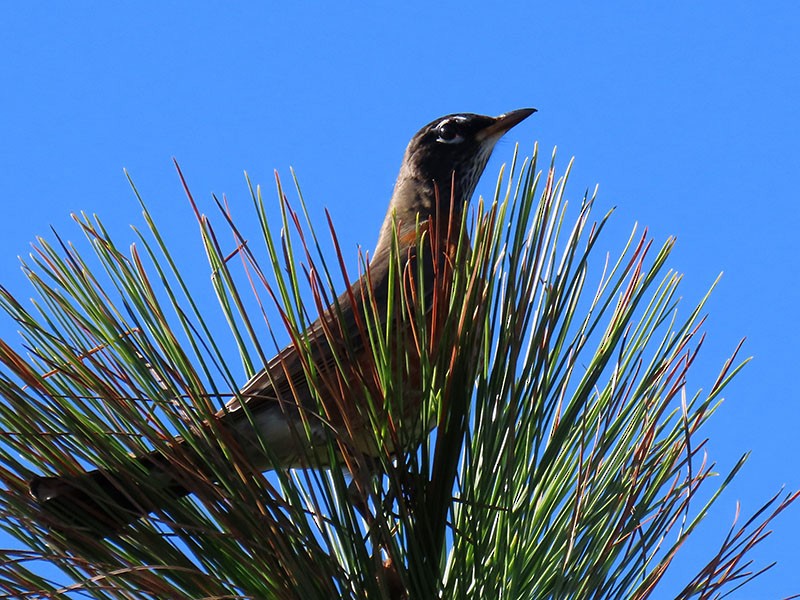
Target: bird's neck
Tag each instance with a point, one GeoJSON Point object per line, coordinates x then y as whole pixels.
{"type": "Point", "coordinates": [417, 200]}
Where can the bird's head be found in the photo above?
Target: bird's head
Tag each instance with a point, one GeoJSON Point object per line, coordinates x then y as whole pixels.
{"type": "Point", "coordinates": [451, 149]}
{"type": "Point", "coordinates": [456, 149]}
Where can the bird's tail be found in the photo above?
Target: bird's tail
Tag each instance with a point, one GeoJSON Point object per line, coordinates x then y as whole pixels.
{"type": "Point", "coordinates": [100, 503]}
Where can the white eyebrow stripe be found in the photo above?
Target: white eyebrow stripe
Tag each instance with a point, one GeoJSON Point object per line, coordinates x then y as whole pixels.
{"type": "Point", "coordinates": [456, 118]}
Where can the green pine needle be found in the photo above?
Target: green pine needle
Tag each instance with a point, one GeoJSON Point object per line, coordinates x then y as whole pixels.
{"type": "Point", "coordinates": [567, 459]}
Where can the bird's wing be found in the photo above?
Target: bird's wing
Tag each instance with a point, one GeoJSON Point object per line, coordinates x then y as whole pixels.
{"type": "Point", "coordinates": [285, 379]}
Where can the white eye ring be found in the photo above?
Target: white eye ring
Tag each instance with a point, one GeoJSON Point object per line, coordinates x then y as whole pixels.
{"type": "Point", "coordinates": [446, 133]}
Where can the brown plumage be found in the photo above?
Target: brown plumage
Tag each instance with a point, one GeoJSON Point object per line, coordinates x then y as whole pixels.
{"type": "Point", "coordinates": [440, 169]}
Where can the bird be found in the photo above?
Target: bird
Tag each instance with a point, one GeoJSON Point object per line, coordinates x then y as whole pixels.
{"type": "Point", "coordinates": [275, 418]}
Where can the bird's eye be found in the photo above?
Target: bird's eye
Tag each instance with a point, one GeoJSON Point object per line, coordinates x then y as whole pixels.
{"type": "Point", "coordinates": [448, 133]}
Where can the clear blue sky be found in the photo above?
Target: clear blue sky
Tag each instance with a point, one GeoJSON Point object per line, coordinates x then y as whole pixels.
{"type": "Point", "coordinates": [685, 113]}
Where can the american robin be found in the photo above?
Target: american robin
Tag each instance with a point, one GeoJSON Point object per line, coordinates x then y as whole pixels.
{"type": "Point", "coordinates": [276, 417]}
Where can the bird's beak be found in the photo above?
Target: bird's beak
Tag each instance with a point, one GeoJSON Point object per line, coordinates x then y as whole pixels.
{"type": "Point", "coordinates": [504, 122]}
